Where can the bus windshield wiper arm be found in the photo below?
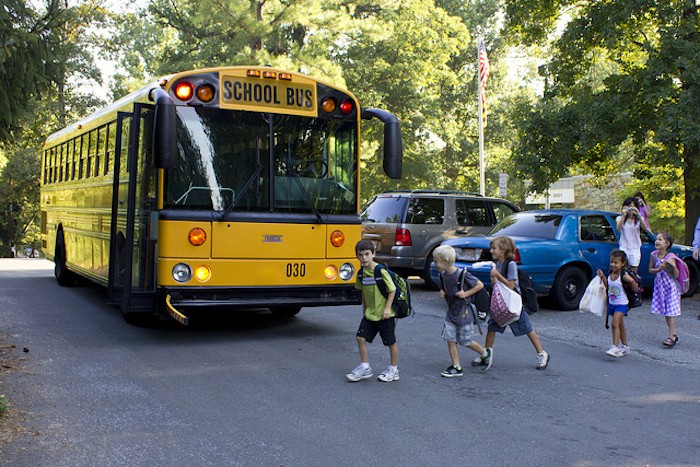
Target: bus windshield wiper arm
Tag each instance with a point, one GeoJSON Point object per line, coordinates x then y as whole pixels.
{"type": "Point", "coordinates": [306, 196]}
{"type": "Point", "coordinates": [248, 182]}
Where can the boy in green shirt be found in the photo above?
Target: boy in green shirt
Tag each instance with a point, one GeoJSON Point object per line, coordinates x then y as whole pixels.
{"type": "Point", "coordinates": [377, 316]}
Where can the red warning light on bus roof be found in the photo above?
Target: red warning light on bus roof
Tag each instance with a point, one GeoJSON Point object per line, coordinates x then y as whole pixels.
{"type": "Point", "coordinates": [346, 107]}
{"type": "Point", "coordinates": [184, 90]}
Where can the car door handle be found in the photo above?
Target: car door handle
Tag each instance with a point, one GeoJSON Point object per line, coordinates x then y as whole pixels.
{"type": "Point", "coordinates": [591, 250]}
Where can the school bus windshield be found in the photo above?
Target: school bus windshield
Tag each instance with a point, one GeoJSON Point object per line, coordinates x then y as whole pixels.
{"type": "Point", "coordinates": [239, 161]}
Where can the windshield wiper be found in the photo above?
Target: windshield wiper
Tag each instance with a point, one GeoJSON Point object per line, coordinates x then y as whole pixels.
{"type": "Point", "coordinates": [292, 173]}
{"type": "Point", "coordinates": [253, 176]}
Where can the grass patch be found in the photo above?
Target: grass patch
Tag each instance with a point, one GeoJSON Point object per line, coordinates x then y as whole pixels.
{"type": "Point", "coordinates": [4, 405]}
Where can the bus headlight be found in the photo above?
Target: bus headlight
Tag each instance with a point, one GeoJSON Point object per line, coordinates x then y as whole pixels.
{"type": "Point", "coordinates": [347, 271]}
{"type": "Point", "coordinates": [182, 272]}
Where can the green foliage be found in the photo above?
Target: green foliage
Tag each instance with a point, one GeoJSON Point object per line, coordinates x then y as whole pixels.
{"type": "Point", "coordinates": [27, 66]}
{"type": "Point", "coordinates": [19, 194]}
{"type": "Point", "coordinates": [4, 405]}
{"type": "Point", "coordinates": [620, 94]}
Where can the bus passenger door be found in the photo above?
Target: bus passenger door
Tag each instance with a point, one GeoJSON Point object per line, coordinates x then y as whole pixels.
{"type": "Point", "coordinates": [132, 245]}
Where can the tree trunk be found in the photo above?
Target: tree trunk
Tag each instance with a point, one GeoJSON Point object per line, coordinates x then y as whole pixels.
{"type": "Point", "coordinates": [691, 177]}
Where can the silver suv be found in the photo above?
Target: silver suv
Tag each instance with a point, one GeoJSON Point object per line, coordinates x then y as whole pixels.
{"type": "Point", "coordinates": [406, 226]}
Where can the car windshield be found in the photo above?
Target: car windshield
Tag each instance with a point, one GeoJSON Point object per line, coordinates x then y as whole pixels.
{"type": "Point", "coordinates": [248, 161]}
{"type": "Point", "coordinates": [525, 224]}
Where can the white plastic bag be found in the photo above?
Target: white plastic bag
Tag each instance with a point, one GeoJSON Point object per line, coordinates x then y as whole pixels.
{"type": "Point", "coordinates": [595, 298]}
{"type": "Point", "coordinates": [506, 304]}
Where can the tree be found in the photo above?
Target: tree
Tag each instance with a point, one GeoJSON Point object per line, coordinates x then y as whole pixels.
{"type": "Point", "coordinates": [26, 64]}
{"type": "Point", "coordinates": [51, 95]}
{"type": "Point", "coordinates": [621, 91]}
{"type": "Point", "coordinates": [19, 192]}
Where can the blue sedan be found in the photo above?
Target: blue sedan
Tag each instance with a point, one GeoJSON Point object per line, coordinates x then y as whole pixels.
{"type": "Point", "coordinates": [561, 249]}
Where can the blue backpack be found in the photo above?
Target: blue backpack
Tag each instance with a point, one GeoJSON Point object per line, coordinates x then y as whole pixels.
{"type": "Point", "coordinates": [402, 299]}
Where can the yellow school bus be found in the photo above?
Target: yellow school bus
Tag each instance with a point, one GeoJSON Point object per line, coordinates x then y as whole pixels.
{"type": "Point", "coordinates": [235, 187]}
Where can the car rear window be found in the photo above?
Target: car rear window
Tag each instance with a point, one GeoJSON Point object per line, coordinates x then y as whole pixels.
{"type": "Point", "coordinates": [389, 209]}
{"type": "Point", "coordinates": [472, 212]}
{"type": "Point", "coordinates": [528, 225]}
{"type": "Point", "coordinates": [426, 211]}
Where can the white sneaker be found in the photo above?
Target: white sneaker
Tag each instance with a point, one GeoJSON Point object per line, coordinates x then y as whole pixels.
{"type": "Point", "coordinates": [614, 352]}
{"type": "Point", "coordinates": [625, 350]}
{"type": "Point", "coordinates": [389, 375]}
{"type": "Point", "coordinates": [359, 373]}
{"type": "Point", "coordinates": [542, 360]}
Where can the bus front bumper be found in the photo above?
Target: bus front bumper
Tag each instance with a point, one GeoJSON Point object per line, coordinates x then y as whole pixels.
{"type": "Point", "coordinates": [263, 297]}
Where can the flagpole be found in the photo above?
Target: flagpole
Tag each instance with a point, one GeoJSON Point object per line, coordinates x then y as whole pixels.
{"type": "Point", "coordinates": [479, 90]}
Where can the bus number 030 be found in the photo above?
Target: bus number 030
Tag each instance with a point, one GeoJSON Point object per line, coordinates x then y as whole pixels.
{"type": "Point", "coordinates": [296, 269]}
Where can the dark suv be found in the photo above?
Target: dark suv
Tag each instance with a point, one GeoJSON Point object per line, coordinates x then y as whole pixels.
{"type": "Point", "coordinates": [406, 226]}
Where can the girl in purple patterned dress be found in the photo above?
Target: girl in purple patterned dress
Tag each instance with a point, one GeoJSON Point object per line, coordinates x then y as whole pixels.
{"type": "Point", "coordinates": [666, 300]}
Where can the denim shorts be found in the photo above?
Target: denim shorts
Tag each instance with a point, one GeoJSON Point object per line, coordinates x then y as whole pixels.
{"type": "Point", "coordinates": [520, 327]}
{"type": "Point", "coordinates": [612, 309]}
{"type": "Point", "coordinates": [462, 335]}
{"type": "Point", "coordinates": [386, 329]}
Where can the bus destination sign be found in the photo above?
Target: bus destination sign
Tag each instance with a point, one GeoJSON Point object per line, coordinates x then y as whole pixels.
{"type": "Point", "coordinates": [256, 94]}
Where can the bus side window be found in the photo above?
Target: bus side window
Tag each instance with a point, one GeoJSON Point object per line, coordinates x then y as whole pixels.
{"type": "Point", "coordinates": [62, 157]}
{"type": "Point", "coordinates": [66, 161]}
{"type": "Point", "coordinates": [83, 155]}
{"type": "Point", "coordinates": [124, 150]}
{"type": "Point", "coordinates": [70, 172]}
{"type": "Point", "coordinates": [52, 158]}
{"type": "Point", "coordinates": [111, 142]}
{"type": "Point", "coordinates": [101, 148]}
{"type": "Point", "coordinates": [92, 154]}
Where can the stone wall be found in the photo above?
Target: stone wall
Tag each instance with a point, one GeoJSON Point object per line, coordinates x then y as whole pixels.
{"type": "Point", "coordinates": [586, 195]}
{"type": "Point", "coordinates": [607, 197]}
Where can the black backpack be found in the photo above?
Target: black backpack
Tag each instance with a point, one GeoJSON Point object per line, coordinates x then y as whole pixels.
{"type": "Point", "coordinates": [527, 290]}
{"type": "Point", "coordinates": [634, 298]}
{"type": "Point", "coordinates": [402, 299]}
{"type": "Point", "coordinates": [481, 300]}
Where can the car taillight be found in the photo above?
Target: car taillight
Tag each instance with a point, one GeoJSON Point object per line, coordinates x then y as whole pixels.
{"type": "Point", "coordinates": [516, 255]}
{"type": "Point", "coordinates": [403, 237]}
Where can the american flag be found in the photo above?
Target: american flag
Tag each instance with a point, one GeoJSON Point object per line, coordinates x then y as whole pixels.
{"type": "Point", "coordinates": [484, 71]}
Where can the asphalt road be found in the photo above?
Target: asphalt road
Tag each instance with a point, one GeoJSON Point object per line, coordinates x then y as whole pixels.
{"type": "Point", "coordinates": [251, 390]}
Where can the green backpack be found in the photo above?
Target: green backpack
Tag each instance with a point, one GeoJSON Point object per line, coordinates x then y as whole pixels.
{"type": "Point", "coordinates": [402, 299]}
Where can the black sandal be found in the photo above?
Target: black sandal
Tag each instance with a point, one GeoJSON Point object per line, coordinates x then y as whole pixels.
{"type": "Point", "coordinates": [669, 342]}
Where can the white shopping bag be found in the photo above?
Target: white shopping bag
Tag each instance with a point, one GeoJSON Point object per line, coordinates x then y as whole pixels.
{"type": "Point", "coordinates": [506, 304]}
{"type": "Point", "coordinates": [595, 298]}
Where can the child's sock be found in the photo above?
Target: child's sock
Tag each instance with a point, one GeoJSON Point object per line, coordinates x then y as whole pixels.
{"type": "Point", "coordinates": [393, 368]}
{"type": "Point", "coordinates": [364, 365]}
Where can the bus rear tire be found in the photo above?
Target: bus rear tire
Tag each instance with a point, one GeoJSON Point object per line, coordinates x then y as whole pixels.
{"type": "Point", "coordinates": [285, 312]}
{"type": "Point", "coordinates": [64, 277]}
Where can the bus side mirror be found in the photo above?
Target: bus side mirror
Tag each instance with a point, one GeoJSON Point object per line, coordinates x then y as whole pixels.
{"type": "Point", "coordinates": [393, 150]}
{"type": "Point", "coordinates": [164, 129]}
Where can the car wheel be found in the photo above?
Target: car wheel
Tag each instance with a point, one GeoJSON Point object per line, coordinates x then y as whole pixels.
{"type": "Point", "coordinates": [430, 284]}
{"type": "Point", "coordinates": [693, 273]}
{"type": "Point", "coordinates": [568, 288]}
